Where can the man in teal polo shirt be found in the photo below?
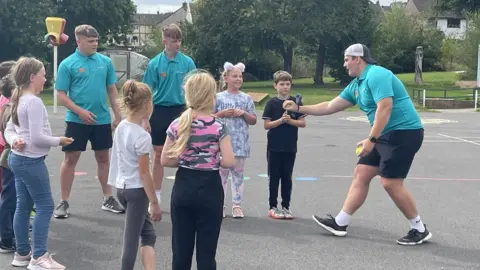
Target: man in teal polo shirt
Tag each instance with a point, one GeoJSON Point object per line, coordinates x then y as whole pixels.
{"type": "Point", "coordinates": [395, 137]}
{"type": "Point", "coordinates": [84, 81]}
{"type": "Point", "coordinates": [165, 74]}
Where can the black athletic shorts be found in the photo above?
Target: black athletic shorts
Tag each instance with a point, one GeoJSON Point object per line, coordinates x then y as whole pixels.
{"type": "Point", "coordinates": [100, 136]}
{"type": "Point", "coordinates": [162, 117]}
{"type": "Point", "coordinates": [394, 152]}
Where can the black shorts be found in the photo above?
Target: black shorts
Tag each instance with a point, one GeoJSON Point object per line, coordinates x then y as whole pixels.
{"type": "Point", "coordinates": [394, 152]}
{"type": "Point", "coordinates": [100, 136]}
{"type": "Point", "coordinates": [161, 119]}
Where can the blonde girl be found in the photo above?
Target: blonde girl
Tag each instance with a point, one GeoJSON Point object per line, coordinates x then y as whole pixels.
{"type": "Point", "coordinates": [195, 141]}
{"type": "Point", "coordinates": [131, 176]}
{"type": "Point", "coordinates": [237, 110]}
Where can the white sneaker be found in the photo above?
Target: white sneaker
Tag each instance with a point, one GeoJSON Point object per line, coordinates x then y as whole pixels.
{"type": "Point", "coordinates": [46, 262]}
{"type": "Point", "coordinates": [21, 261]}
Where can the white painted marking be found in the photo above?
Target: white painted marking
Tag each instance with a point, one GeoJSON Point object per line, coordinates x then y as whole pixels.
{"type": "Point", "coordinates": [444, 141]}
{"type": "Point", "coordinates": [413, 178]}
{"type": "Point", "coordinates": [459, 139]}
{"type": "Point", "coordinates": [424, 120]}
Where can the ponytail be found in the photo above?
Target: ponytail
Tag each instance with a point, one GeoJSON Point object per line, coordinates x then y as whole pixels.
{"type": "Point", "coordinates": [14, 101]}
{"type": "Point", "coordinates": [184, 131]}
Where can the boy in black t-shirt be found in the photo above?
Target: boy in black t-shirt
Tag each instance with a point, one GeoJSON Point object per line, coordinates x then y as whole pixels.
{"type": "Point", "coordinates": [282, 138]}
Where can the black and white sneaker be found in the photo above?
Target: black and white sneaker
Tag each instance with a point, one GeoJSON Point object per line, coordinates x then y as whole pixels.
{"type": "Point", "coordinates": [414, 237]}
{"type": "Point", "coordinates": [62, 210]}
{"type": "Point", "coordinates": [7, 249]}
{"type": "Point", "coordinates": [112, 205]}
{"type": "Point", "coordinates": [331, 225]}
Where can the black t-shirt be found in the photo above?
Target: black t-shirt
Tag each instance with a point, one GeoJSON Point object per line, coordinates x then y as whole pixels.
{"type": "Point", "coordinates": [284, 137]}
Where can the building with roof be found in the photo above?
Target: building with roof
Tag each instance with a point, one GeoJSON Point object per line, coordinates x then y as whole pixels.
{"type": "Point", "coordinates": [144, 25]}
{"type": "Point", "coordinates": [451, 24]}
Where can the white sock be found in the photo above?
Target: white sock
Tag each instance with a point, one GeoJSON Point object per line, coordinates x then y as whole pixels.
{"type": "Point", "coordinates": [343, 218]}
{"type": "Point", "coordinates": [158, 192]}
{"type": "Point", "coordinates": [417, 224]}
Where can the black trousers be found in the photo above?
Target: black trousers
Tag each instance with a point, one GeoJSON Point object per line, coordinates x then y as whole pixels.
{"type": "Point", "coordinates": [280, 169]}
{"type": "Point", "coordinates": [196, 212]}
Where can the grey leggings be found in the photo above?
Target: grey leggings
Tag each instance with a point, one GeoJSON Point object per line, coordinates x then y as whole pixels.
{"type": "Point", "coordinates": [137, 224]}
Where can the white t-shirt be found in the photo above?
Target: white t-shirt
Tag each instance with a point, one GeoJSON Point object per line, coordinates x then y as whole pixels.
{"type": "Point", "coordinates": [129, 143]}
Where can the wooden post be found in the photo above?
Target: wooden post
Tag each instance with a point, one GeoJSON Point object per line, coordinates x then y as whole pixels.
{"type": "Point", "coordinates": [418, 65]}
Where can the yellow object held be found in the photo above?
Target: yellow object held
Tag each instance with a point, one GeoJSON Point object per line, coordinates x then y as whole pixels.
{"type": "Point", "coordinates": [359, 149]}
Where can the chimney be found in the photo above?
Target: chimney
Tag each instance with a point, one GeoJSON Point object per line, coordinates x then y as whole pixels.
{"type": "Point", "coordinates": [184, 5]}
{"type": "Point", "coordinates": [158, 12]}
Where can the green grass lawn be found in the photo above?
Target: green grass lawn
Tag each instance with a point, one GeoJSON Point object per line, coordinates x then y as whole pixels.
{"type": "Point", "coordinates": [434, 82]}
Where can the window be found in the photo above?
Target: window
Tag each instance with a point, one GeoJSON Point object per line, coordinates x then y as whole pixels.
{"type": "Point", "coordinates": [453, 23]}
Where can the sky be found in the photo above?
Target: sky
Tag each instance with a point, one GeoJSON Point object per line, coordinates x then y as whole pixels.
{"type": "Point", "coordinates": [152, 6]}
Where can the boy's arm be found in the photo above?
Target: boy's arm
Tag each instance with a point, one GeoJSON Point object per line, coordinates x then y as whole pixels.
{"type": "Point", "coordinates": [301, 123]}
{"type": "Point", "coordinates": [268, 122]}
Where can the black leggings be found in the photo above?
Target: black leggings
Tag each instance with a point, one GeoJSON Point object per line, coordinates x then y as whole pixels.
{"type": "Point", "coordinates": [196, 212]}
{"type": "Point", "coordinates": [280, 169]}
{"type": "Point", "coordinates": [137, 224]}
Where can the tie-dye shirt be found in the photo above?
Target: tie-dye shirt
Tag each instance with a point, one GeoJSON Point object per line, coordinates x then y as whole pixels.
{"type": "Point", "coordinates": [237, 126]}
{"type": "Point", "coordinates": [203, 149]}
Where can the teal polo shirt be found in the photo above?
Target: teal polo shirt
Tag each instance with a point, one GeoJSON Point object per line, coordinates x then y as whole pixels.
{"type": "Point", "coordinates": [375, 84]}
{"type": "Point", "coordinates": [85, 80]}
{"type": "Point", "coordinates": [165, 77]}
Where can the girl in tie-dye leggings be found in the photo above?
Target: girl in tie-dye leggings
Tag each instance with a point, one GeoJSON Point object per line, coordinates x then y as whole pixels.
{"type": "Point", "coordinates": [237, 110]}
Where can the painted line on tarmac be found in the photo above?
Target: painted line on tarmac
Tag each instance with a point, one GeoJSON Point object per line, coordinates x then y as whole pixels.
{"type": "Point", "coordinates": [414, 178]}
{"type": "Point", "coordinates": [459, 139]}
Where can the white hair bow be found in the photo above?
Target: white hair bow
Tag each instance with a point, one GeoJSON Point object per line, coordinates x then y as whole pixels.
{"type": "Point", "coordinates": [229, 66]}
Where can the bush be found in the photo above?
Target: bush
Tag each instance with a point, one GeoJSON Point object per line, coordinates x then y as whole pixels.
{"type": "Point", "coordinates": [396, 40]}
{"type": "Point", "coordinates": [468, 48]}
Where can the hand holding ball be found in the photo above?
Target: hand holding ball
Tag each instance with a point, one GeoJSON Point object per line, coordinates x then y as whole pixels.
{"type": "Point", "coordinates": [359, 149]}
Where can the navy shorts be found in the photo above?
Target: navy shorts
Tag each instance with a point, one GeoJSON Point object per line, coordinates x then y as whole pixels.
{"type": "Point", "coordinates": [394, 152]}
{"type": "Point", "coordinates": [100, 136]}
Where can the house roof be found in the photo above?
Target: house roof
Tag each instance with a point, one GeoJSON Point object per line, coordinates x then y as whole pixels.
{"type": "Point", "coordinates": [150, 19]}
{"type": "Point", "coordinates": [421, 5]}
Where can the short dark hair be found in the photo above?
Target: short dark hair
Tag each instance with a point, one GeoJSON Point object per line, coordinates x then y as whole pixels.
{"type": "Point", "coordinates": [5, 68]}
{"type": "Point", "coordinates": [7, 85]}
{"type": "Point", "coordinates": [172, 31]}
{"type": "Point", "coordinates": [86, 30]}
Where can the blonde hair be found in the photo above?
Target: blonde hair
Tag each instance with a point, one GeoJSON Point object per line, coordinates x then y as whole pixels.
{"type": "Point", "coordinates": [282, 76]}
{"type": "Point", "coordinates": [200, 90]}
{"type": "Point", "coordinates": [21, 72]}
{"type": "Point", "coordinates": [227, 67]}
{"type": "Point", "coordinates": [135, 96]}
{"type": "Point", "coordinates": [172, 31]}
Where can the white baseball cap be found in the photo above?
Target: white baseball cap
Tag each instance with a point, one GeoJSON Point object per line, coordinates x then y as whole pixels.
{"type": "Point", "coordinates": [360, 50]}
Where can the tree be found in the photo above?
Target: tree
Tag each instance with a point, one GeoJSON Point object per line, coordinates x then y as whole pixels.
{"type": "Point", "coordinates": [279, 25]}
{"type": "Point", "coordinates": [112, 19]}
{"type": "Point", "coordinates": [468, 48]}
{"type": "Point", "coordinates": [21, 33]}
{"type": "Point", "coordinates": [333, 26]}
{"type": "Point", "coordinates": [397, 38]}
{"type": "Point", "coordinates": [220, 32]}
{"type": "Point", "coordinates": [458, 6]}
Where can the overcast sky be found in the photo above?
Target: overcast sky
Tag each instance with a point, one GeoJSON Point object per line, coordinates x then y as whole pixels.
{"type": "Point", "coordinates": [152, 6]}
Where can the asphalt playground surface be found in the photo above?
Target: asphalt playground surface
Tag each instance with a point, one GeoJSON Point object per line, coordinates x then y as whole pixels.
{"type": "Point", "coordinates": [444, 180]}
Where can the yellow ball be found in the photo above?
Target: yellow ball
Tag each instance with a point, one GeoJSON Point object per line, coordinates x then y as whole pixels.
{"type": "Point", "coordinates": [359, 149]}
